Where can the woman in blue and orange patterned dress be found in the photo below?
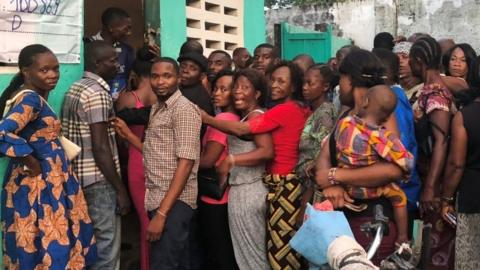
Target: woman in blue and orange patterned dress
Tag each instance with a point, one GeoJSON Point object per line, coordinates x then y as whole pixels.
{"type": "Point", "coordinates": [44, 213]}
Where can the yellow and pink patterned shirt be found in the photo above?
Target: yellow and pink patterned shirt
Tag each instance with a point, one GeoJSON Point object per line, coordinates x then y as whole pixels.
{"type": "Point", "coordinates": [360, 144]}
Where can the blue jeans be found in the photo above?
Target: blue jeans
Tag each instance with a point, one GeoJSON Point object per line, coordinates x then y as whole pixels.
{"type": "Point", "coordinates": [178, 247]}
{"type": "Point", "coordinates": [102, 203]}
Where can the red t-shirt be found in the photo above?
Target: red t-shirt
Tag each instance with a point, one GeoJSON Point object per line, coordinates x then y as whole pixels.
{"type": "Point", "coordinates": [285, 122]}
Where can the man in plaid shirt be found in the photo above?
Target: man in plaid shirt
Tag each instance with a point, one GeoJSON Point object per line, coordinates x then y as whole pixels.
{"type": "Point", "coordinates": [171, 154]}
{"type": "Point", "coordinates": [86, 114]}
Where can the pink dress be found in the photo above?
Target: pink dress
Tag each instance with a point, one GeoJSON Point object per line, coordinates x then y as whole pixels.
{"type": "Point", "coordinates": [215, 135]}
{"type": "Point", "coordinates": [136, 185]}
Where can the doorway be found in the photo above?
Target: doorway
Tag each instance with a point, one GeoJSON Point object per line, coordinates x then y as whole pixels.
{"type": "Point", "coordinates": [94, 9]}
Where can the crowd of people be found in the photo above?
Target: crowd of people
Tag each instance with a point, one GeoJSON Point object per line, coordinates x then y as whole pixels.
{"type": "Point", "coordinates": [220, 155]}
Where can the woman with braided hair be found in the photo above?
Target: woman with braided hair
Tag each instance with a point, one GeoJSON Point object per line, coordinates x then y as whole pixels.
{"type": "Point", "coordinates": [433, 112]}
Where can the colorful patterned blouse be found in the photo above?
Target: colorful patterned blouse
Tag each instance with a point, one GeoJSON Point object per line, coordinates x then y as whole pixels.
{"type": "Point", "coordinates": [317, 127]}
{"type": "Point", "coordinates": [361, 144]}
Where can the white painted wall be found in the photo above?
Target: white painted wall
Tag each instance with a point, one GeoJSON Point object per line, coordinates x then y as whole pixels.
{"type": "Point", "coordinates": [356, 19]}
{"type": "Point", "coordinates": [360, 20]}
{"type": "Point", "coordinates": [456, 19]}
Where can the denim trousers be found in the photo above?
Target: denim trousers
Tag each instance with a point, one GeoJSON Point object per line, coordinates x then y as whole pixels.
{"type": "Point", "coordinates": [102, 204]}
{"type": "Point", "coordinates": [178, 247]}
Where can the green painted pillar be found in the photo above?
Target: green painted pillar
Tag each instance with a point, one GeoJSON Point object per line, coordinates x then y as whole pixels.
{"type": "Point", "coordinates": [170, 17]}
{"type": "Point", "coordinates": [253, 24]}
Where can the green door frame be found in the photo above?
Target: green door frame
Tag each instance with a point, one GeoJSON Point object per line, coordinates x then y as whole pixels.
{"type": "Point", "coordinates": [321, 46]}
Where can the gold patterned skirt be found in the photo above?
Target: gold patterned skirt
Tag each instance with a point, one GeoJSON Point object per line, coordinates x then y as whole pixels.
{"type": "Point", "coordinates": [284, 203]}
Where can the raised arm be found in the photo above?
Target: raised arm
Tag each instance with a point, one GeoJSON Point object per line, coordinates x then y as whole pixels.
{"type": "Point", "coordinates": [454, 84]}
{"type": "Point", "coordinates": [229, 127]}
{"type": "Point", "coordinates": [262, 153]}
{"type": "Point", "coordinates": [124, 131]}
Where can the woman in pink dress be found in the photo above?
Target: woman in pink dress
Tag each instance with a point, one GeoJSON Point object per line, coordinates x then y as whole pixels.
{"type": "Point", "coordinates": [140, 98]}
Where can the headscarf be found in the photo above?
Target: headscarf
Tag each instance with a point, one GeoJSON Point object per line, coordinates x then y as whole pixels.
{"type": "Point", "coordinates": [403, 47]}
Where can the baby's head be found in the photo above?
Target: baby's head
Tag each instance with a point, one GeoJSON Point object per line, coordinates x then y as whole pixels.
{"type": "Point", "coordinates": [379, 103]}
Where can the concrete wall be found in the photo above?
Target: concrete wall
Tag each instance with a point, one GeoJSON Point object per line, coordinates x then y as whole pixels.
{"type": "Point", "coordinates": [354, 19]}
{"type": "Point", "coordinates": [360, 20]}
{"type": "Point", "coordinates": [223, 22]}
{"type": "Point", "coordinates": [456, 19]}
{"type": "Point", "coordinates": [217, 25]}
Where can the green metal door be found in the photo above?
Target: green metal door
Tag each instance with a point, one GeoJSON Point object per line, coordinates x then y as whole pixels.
{"type": "Point", "coordinates": [321, 46]}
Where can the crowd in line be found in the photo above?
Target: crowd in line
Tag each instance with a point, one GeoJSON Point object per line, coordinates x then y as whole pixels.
{"type": "Point", "coordinates": [219, 155]}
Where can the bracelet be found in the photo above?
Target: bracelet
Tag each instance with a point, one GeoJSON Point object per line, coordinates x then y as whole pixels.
{"type": "Point", "coordinates": [331, 176]}
{"type": "Point", "coordinates": [161, 213]}
{"type": "Point", "coordinates": [232, 159]}
{"type": "Point", "coordinates": [447, 199]}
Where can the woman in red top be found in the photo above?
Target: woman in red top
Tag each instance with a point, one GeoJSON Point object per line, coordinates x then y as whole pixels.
{"type": "Point", "coordinates": [285, 122]}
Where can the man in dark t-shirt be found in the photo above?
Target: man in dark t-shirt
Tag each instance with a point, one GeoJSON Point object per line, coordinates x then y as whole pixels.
{"type": "Point", "coordinates": [193, 68]}
{"type": "Point", "coordinates": [116, 28]}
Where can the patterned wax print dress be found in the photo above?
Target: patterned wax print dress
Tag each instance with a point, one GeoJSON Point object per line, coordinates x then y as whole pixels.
{"type": "Point", "coordinates": [45, 222]}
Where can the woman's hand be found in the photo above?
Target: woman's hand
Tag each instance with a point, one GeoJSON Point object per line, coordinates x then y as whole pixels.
{"type": "Point", "coordinates": [448, 209]}
{"type": "Point", "coordinates": [154, 49]}
{"type": "Point", "coordinates": [310, 169]}
{"type": "Point", "coordinates": [321, 178]}
{"type": "Point", "coordinates": [205, 116]}
{"type": "Point", "coordinates": [121, 128]}
{"type": "Point", "coordinates": [337, 196]}
{"type": "Point", "coordinates": [224, 168]}
{"type": "Point", "coordinates": [427, 201]}
{"type": "Point", "coordinates": [417, 115]}
{"type": "Point", "coordinates": [32, 166]}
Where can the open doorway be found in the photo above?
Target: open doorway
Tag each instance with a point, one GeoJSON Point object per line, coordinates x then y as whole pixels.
{"type": "Point", "coordinates": [94, 9]}
{"type": "Point", "coordinates": [130, 249]}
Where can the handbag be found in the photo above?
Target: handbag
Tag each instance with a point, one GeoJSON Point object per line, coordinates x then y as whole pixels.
{"type": "Point", "coordinates": [317, 232]}
{"type": "Point", "coordinates": [71, 149]}
{"type": "Point", "coordinates": [209, 184]}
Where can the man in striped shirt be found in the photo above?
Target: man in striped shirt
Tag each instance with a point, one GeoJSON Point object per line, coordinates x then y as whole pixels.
{"type": "Point", "coordinates": [86, 113]}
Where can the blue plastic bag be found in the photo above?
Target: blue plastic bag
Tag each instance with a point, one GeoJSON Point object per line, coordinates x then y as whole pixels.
{"type": "Point", "coordinates": [317, 232]}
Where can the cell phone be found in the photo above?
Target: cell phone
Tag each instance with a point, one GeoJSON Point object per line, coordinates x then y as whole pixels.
{"type": "Point", "coordinates": [452, 218]}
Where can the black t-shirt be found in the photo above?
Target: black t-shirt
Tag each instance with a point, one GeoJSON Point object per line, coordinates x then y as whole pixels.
{"type": "Point", "coordinates": [198, 95]}
{"type": "Point", "coordinates": [469, 187]}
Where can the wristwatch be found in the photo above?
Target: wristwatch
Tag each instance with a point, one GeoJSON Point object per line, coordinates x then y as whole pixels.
{"type": "Point", "coordinates": [331, 176]}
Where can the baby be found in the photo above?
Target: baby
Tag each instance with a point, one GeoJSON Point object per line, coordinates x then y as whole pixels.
{"type": "Point", "coordinates": [362, 141]}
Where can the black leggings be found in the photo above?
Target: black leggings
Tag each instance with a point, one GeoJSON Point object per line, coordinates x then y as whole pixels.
{"type": "Point", "coordinates": [215, 236]}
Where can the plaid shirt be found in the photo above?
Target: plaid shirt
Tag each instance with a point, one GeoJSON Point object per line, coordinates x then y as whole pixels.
{"type": "Point", "coordinates": [360, 144]}
{"type": "Point", "coordinates": [173, 133]}
{"type": "Point", "coordinates": [88, 102]}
